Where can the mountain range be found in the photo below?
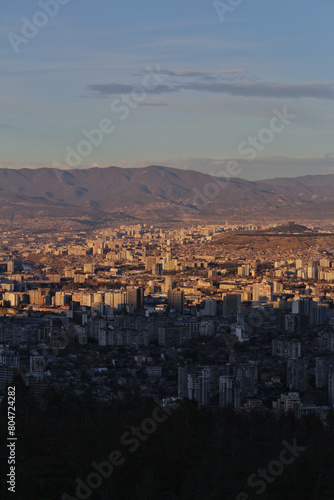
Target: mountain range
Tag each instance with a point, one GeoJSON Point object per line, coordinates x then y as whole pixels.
{"type": "Point", "coordinates": [160, 194]}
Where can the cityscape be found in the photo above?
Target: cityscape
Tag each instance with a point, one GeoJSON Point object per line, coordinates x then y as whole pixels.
{"type": "Point", "coordinates": [166, 250]}
{"type": "Point", "coordinates": [170, 313]}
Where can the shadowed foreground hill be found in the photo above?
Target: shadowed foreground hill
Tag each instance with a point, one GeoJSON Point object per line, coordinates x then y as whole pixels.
{"type": "Point", "coordinates": [159, 193]}
{"type": "Point", "coordinates": [193, 454]}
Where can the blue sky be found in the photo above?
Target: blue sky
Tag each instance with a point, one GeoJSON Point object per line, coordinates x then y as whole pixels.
{"type": "Point", "coordinates": [217, 83]}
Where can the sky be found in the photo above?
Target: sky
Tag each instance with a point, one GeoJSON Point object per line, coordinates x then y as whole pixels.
{"type": "Point", "coordinates": [197, 84]}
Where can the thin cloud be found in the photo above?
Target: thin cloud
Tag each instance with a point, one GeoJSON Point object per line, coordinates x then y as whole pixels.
{"type": "Point", "coordinates": [153, 104]}
{"type": "Point", "coordinates": [106, 90]}
{"type": "Point", "coordinates": [241, 89]}
{"type": "Point", "coordinates": [109, 89]}
{"type": "Point", "coordinates": [227, 75]}
{"type": "Point", "coordinates": [193, 73]}
{"type": "Point", "coordinates": [229, 71]}
{"type": "Point", "coordinates": [279, 90]}
{"type": "Point", "coordinates": [3, 125]}
{"type": "Point", "coordinates": [184, 73]}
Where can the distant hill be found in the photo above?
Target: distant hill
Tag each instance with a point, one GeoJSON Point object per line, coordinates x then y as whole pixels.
{"type": "Point", "coordinates": [292, 236]}
{"type": "Point", "coordinates": [160, 194]}
{"type": "Point", "coordinates": [291, 227]}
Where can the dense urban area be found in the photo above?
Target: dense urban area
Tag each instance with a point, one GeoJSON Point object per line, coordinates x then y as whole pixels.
{"type": "Point", "coordinates": [226, 331]}
{"type": "Point", "coordinates": [170, 313]}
